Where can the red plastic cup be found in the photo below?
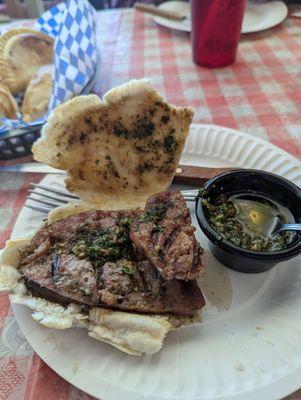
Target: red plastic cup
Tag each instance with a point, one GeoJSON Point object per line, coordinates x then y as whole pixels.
{"type": "Point", "coordinates": [215, 31]}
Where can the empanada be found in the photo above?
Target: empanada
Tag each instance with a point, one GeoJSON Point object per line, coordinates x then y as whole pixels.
{"type": "Point", "coordinates": [22, 53]}
{"type": "Point", "coordinates": [8, 105]}
{"type": "Point", "coordinates": [37, 94]}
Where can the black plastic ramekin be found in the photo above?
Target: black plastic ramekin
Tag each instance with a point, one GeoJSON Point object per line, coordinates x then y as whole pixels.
{"type": "Point", "coordinates": [254, 182]}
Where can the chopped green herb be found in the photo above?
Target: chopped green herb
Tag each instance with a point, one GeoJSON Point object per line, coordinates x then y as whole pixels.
{"type": "Point", "coordinates": [170, 144]}
{"type": "Point", "coordinates": [238, 224]}
{"type": "Point", "coordinates": [158, 229]}
{"type": "Point", "coordinates": [86, 291]}
{"type": "Point", "coordinates": [145, 166]}
{"type": "Point", "coordinates": [143, 128]}
{"type": "Point", "coordinates": [110, 244]}
{"type": "Point", "coordinates": [127, 271]}
{"type": "Point", "coordinates": [155, 214]}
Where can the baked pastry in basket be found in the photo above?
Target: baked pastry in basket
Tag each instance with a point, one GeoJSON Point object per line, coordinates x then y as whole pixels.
{"type": "Point", "coordinates": [22, 53]}
{"type": "Point", "coordinates": [37, 94]}
{"type": "Point", "coordinates": [8, 105]}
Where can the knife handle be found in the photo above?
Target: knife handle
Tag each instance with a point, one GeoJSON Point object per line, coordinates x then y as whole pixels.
{"type": "Point", "coordinates": [153, 10]}
{"type": "Point", "coordinates": [196, 176]}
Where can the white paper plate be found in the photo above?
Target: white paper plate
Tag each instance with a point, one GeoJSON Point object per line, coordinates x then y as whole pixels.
{"type": "Point", "coordinates": [248, 346]}
{"type": "Point", "coordinates": [261, 16]}
{"type": "Point", "coordinates": [258, 16]}
{"type": "Point", "coordinates": [181, 7]}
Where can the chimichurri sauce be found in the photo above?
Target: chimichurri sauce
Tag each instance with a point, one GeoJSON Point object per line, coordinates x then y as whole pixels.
{"type": "Point", "coordinates": [248, 221]}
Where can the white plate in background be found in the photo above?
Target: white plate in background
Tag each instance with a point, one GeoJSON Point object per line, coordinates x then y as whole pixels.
{"type": "Point", "coordinates": [180, 7]}
{"type": "Point", "coordinates": [258, 16]}
{"type": "Point", "coordinates": [248, 345]}
{"type": "Point", "coordinates": [261, 16]}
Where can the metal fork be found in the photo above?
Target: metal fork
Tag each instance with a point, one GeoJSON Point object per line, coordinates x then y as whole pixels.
{"type": "Point", "coordinates": [45, 198]}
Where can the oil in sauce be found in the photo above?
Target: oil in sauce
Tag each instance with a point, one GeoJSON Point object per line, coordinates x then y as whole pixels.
{"type": "Point", "coordinates": [248, 220]}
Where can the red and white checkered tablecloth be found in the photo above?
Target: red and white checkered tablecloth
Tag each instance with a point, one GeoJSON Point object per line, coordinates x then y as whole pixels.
{"type": "Point", "coordinates": [259, 94]}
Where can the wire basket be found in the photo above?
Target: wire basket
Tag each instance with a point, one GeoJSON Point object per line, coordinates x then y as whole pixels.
{"type": "Point", "coordinates": [18, 143]}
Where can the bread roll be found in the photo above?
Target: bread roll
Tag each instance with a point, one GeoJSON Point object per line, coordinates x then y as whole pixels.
{"type": "Point", "coordinates": [22, 53]}
{"type": "Point", "coordinates": [37, 94]}
{"type": "Point", "coordinates": [8, 105]}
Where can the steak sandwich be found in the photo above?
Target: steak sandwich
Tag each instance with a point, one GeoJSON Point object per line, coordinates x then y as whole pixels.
{"type": "Point", "coordinates": [90, 259]}
{"type": "Point", "coordinates": [123, 261]}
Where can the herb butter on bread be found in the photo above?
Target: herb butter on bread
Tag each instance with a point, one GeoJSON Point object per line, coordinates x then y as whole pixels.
{"type": "Point", "coordinates": [118, 151]}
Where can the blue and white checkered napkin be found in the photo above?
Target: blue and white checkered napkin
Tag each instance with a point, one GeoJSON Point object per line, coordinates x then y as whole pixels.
{"type": "Point", "coordinates": [75, 52]}
{"type": "Point", "coordinates": [51, 20]}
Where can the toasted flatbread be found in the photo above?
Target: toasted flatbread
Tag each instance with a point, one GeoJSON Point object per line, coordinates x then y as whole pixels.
{"type": "Point", "coordinates": [22, 52]}
{"type": "Point", "coordinates": [119, 151]}
{"type": "Point", "coordinates": [37, 94]}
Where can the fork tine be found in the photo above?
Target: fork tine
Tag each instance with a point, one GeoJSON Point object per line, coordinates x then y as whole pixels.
{"type": "Point", "coordinates": [43, 201]}
{"type": "Point", "coordinates": [55, 201]}
{"type": "Point", "coordinates": [53, 197]}
{"type": "Point", "coordinates": [46, 210]}
{"type": "Point", "coordinates": [190, 193]}
{"type": "Point", "coordinates": [53, 190]}
{"type": "Point", "coordinates": [38, 208]}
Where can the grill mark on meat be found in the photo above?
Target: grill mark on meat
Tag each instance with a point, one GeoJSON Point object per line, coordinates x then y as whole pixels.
{"type": "Point", "coordinates": [144, 283]}
{"type": "Point", "coordinates": [155, 235]}
{"type": "Point", "coordinates": [170, 238]}
{"type": "Point", "coordinates": [55, 266]}
{"type": "Point", "coordinates": [146, 280]}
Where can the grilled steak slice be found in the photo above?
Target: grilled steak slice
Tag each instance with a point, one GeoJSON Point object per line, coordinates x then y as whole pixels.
{"type": "Point", "coordinates": [138, 286]}
{"type": "Point", "coordinates": [75, 281]}
{"type": "Point", "coordinates": [88, 258]}
{"type": "Point", "coordinates": [165, 235]}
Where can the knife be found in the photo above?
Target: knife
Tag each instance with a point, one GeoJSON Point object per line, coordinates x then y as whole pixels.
{"type": "Point", "coordinates": [187, 174]}
{"type": "Point", "coordinates": [153, 10]}
{"type": "Point", "coordinates": [32, 167]}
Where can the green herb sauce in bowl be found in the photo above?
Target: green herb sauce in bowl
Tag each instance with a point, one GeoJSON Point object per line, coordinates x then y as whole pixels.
{"type": "Point", "coordinates": [248, 221]}
{"type": "Point", "coordinates": [238, 212]}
